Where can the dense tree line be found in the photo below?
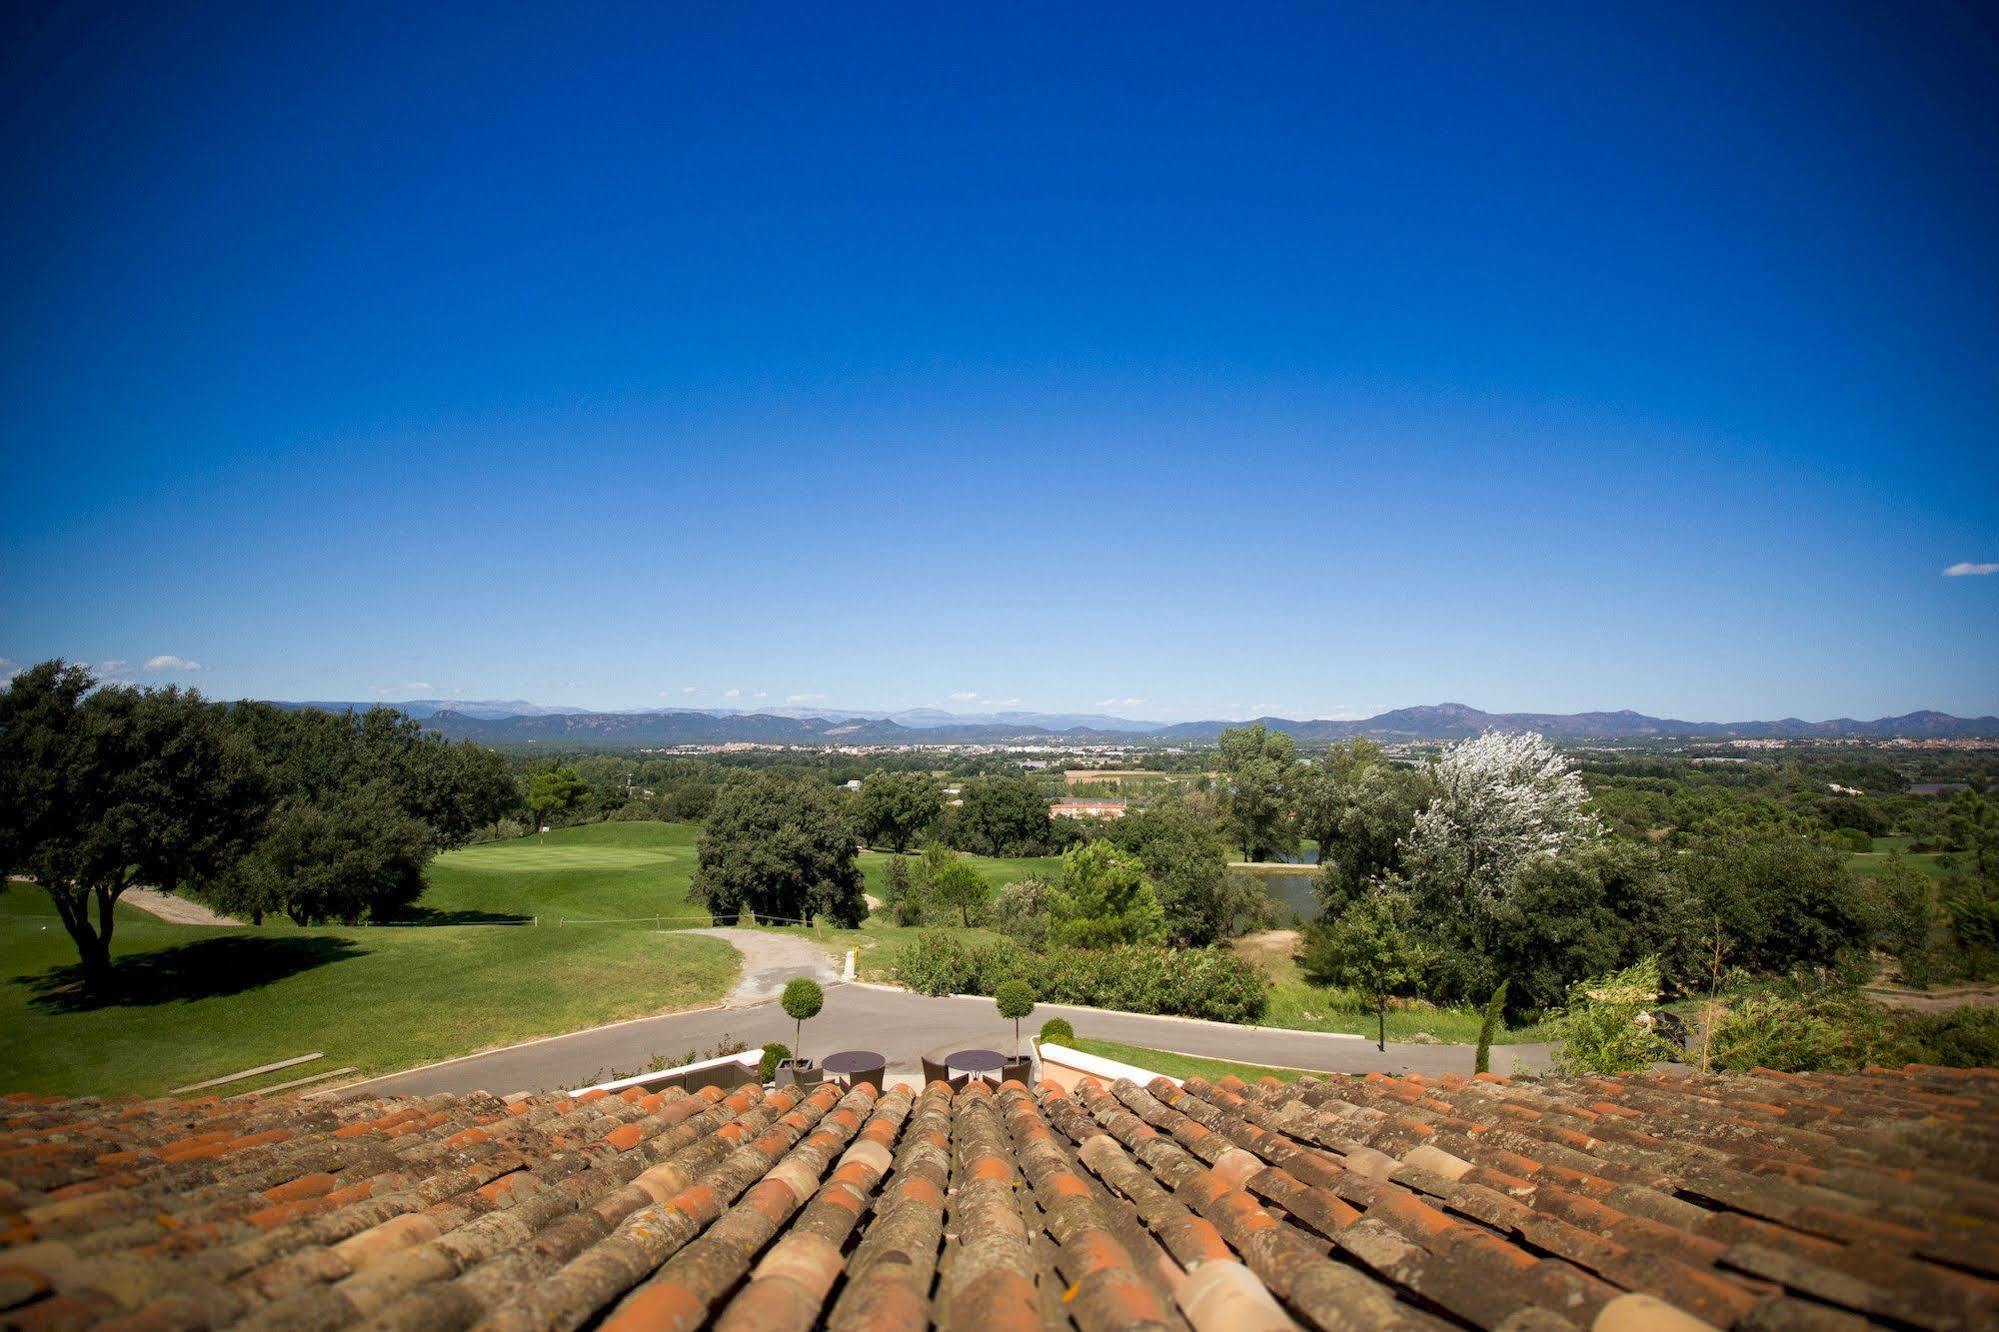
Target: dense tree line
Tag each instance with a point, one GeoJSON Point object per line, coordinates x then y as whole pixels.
{"type": "Point", "coordinates": [1509, 863]}
{"type": "Point", "coordinates": [259, 810]}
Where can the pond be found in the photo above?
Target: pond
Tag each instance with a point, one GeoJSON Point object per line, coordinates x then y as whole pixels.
{"type": "Point", "coordinates": [1295, 894]}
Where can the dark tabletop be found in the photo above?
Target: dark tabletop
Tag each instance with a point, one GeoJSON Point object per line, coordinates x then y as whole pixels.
{"type": "Point", "coordinates": [853, 1061]}
{"type": "Point", "coordinates": [976, 1061]}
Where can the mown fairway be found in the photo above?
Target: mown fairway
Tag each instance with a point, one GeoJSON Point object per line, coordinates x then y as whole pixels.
{"type": "Point", "coordinates": [601, 871]}
{"type": "Point", "coordinates": [1889, 849]}
{"type": "Point", "coordinates": [202, 1002]}
{"type": "Point", "coordinates": [994, 870]}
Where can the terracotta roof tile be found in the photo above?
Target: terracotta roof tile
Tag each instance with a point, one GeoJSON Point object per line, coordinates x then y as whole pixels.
{"type": "Point", "coordinates": [1766, 1200]}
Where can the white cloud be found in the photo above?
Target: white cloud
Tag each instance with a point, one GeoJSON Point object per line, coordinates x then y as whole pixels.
{"type": "Point", "coordinates": [1120, 702]}
{"type": "Point", "coordinates": [1966, 569]}
{"type": "Point", "coordinates": [965, 696]}
{"type": "Point", "coordinates": [169, 662]}
{"type": "Point", "coordinates": [732, 693]}
{"type": "Point", "coordinates": [805, 698]}
{"type": "Point", "coordinates": [413, 687]}
{"type": "Point", "coordinates": [1004, 702]}
{"type": "Point", "coordinates": [687, 689]}
{"type": "Point", "coordinates": [760, 694]}
{"type": "Point", "coordinates": [111, 670]}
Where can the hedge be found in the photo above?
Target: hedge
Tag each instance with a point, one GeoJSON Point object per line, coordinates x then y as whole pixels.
{"type": "Point", "coordinates": [1134, 978]}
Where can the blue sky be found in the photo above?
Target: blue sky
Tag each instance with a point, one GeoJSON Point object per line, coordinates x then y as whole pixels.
{"type": "Point", "coordinates": [1172, 362]}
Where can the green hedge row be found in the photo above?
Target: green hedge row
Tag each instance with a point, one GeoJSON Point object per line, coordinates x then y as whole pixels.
{"type": "Point", "coordinates": [1136, 978]}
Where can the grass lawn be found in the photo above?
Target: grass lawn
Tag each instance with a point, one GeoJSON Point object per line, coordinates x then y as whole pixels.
{"type": "Point", "coordinates": [596, 872]}
{"type": "Point", "coordinates": [200, 1002]}
{"type": "Point", "coordinates": [203, 1002]}
{"type": "Point", "coordinates": [1873, 862]}
{"type": "Point", "coordinates": [1298, 1004]}
{"type": "Point", "coordinates": [996, 870]}
{"type": "Point", "coordinates": [1183, 1066]}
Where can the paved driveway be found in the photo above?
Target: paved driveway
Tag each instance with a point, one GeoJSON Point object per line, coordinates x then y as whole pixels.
{"type": "Point", "coordinates": [902, 1026]}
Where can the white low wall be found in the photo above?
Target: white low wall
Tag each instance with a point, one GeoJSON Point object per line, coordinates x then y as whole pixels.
{"type": "Point", "coordinates": [1065, 1067]}
{"type": "Point", "coordinates": [648, 1081]}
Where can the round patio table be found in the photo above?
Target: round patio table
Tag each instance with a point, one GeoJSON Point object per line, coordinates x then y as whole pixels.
{"type": "Point", "coordinates": [849, 1062]}
{"type": "Point", "coordinates": [975, 1061]}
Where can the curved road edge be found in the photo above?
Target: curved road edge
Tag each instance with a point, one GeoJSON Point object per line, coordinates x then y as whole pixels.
{"type": "Point", "coordinates": [902, 1026]}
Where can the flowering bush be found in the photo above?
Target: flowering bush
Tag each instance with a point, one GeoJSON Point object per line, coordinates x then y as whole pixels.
{"type": "Point", "coordinates": [1607, 1029]}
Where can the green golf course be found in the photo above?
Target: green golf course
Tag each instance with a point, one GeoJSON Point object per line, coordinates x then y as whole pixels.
{"type": "Point", "coordinates": [198, 1002]}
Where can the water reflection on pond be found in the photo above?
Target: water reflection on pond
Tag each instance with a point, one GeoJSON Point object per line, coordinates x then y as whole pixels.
{"type": "Point", "coordinates": [1295, 894]}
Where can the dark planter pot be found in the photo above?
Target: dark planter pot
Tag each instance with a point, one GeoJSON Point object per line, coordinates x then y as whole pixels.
{"type": "Point", "coordinates": [798, 1073]}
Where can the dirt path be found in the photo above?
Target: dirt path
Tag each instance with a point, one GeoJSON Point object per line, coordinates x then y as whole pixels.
{"type": "Point", "coordinates": [769, 960]}
{"type": "Point", "coordinates": [1934, 1001]}
{"type": "Point", "coordinates": [174, 910]}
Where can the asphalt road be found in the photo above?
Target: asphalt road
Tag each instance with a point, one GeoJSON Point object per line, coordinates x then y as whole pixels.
{"type": "Point", "coordinates": [901, 1026]}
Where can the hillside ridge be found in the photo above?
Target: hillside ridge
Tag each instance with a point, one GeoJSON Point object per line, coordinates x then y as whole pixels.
{"type": "Point", "coordinates": [1441, 721]}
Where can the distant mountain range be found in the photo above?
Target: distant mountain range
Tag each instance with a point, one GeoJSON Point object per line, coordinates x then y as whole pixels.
{"type": "Point", "coordinates": [509, 722]}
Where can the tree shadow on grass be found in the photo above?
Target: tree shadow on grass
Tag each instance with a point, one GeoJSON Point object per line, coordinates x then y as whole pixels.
{"type": "Point", "coordinates": [206, 969]}
{"type": "Point", "coordinates": [423, 915]}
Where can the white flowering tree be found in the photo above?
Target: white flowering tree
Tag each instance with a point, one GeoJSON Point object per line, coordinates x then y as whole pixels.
{"type": "Point", "coordinates": [1499, 800]}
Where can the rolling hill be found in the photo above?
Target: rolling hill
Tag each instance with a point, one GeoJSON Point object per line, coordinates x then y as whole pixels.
{"type": "Point", "coordinates": [1444, 721]}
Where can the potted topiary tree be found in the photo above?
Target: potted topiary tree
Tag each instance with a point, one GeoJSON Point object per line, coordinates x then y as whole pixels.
{"type": "Point", "coordinates": [802, 999]}
{"type": "Point", "coordinates": [1015, 1000]}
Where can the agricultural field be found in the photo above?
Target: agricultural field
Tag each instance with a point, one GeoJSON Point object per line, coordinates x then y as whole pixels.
{"type": "Point", "coordinates": [1126, 783]}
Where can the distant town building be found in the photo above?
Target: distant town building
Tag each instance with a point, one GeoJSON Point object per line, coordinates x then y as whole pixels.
{"type": "Point", "coordinates": [1837, 789]}
{"type": "Point", "coordinates": [853, 785]}
{"type": "Point", "coordinates": [1086, 809]}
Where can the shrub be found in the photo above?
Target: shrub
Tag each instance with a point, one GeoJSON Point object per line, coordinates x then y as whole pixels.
{"type": "Point", "coordinates": [1015, 1000]}
{"type": "Point", "coordinates": [1806, 1029]}
{"type": "Point", "coordinates": [1604, 1029]}
{"type": "Point", "coordinates": [940, 962]}
{"type": "Point", "coordinates": [1137, 978]}
{"type": "Point", "coordinates": [802, 999]}
{"type": "Point", "coordinates": [1058, 1031]}
{"type": "Point", "coordinates": [1962, 1038]}
{"type": "Point", "coordinates": [1020, 911]}
{"type": "Point", "coordinates": [1799, 1029]}
{"type": "Point", "coordinates": [1494, 1008]}
{"type": "Point", "coordinates": [767, 1066]}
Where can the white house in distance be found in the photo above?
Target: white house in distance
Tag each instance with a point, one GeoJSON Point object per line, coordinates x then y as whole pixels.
{"type": "Point", "coordinates": [1086, 809]}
